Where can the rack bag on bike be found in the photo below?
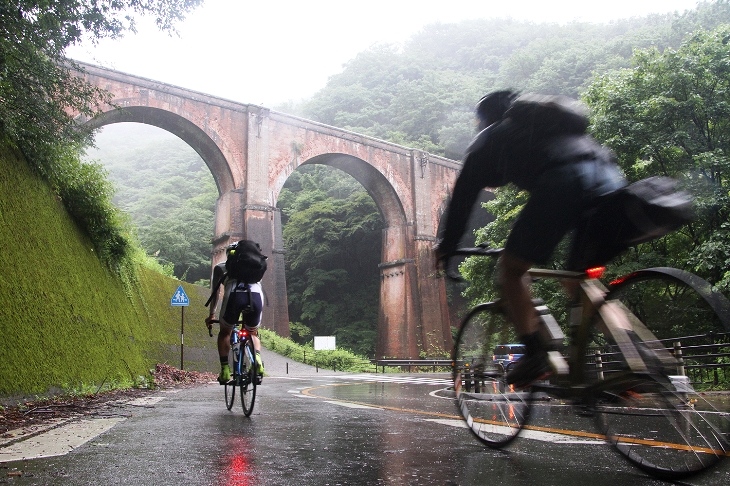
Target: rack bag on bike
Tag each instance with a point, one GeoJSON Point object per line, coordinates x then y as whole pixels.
{"type": "Point", "coordinates": [640, 212]}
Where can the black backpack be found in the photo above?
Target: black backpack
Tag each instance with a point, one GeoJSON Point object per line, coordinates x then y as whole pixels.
{"type": "Point", "coordinates": [538, 116]}
{"type": "Point", "coordinates": [245, 262]}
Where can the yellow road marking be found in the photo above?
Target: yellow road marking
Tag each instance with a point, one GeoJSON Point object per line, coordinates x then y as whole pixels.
{"type": "Point", "coordinates": [570, 433]}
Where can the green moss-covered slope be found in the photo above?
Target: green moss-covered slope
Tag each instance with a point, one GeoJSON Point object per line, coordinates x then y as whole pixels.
{"type": "Point", "coordinates": [68, 323]}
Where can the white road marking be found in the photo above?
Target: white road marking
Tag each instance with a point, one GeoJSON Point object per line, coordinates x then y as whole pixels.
{"type": "Point", "coordinates": [17, 434]}
{"type": "Point", "coordinates": [352, 405]}
{"type": "Point", "coordinates": [529, 434]}
{"type": "Point", "coordinates": [58, 441]}
{"type": "Point", "coordinates": [59, 437]}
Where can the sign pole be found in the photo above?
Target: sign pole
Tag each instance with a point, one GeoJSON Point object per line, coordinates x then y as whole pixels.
{"type": "Point", "coordinates": [182, 334]}
{"type": "Point", "coordinates": [180, 298]}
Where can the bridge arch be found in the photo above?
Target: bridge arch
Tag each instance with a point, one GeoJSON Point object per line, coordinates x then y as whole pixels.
{"type": "Point", "coordinates": [376, 185]}
{"type": "Point", "coordinates": [251, 151]}
{"type": "Point", "coordinates": [190, 133]}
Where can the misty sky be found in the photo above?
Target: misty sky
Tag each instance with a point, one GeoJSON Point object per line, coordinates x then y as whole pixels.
{"type": "Point", "coordinates": [270, 52]}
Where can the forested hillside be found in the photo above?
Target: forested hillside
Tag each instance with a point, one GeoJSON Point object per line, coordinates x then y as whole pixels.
{"type": "Point", "coordinates": [167, 190]}
{"type": "Point", "coordinates": [423, 93]}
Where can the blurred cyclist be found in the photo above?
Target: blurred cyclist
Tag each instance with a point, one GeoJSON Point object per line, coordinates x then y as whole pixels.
{"type": "Point", "coordinates": [564, 172]}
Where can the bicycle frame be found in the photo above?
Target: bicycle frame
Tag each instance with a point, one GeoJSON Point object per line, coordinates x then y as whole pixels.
{"type": "Point", "coordinates": [664, 428]}
{"type": "Point", "coordinates": [611, 317]}
{"type": "Point", "coordinates": [239, 337]}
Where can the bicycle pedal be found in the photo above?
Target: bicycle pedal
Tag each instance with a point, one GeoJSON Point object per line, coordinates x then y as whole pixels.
{"type": "Point", "coordinates": [558, 363]}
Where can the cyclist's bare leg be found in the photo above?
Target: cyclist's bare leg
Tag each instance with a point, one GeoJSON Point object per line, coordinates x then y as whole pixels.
{"type": "Point", "coordinates": [515, 288]}
{"type": "Point", "coordinates": [514, 284]}
{"type": "Point", "coordinates": [255, 340]}
{"type": "Point", "coordinates": [224, 340]}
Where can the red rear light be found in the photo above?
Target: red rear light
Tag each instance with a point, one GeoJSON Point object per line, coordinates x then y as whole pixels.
{"type": "Point", "coordinates": [242, 333]}
{"type": "Point", "coordinates": [622, 279]}
{"type": "Point", "coordinates": [595, 272]}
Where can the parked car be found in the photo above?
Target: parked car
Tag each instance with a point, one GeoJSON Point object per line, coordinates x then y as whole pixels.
{"type": "Point", "coordinates": [507, 354]}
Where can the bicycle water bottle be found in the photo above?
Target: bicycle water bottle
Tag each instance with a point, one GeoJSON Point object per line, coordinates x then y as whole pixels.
{"type": "Point", "coordinates": [236, 347]}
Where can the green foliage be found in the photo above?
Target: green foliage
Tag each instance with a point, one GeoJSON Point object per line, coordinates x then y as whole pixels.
{"type": "Point", "coordinates": [87, 195]}
{"type": "Point", "coordinates": [668, 115]}
{"type": "Point", "coordinates": [167, 191]}
{"type": "Point", "coordinates": [68, 324]}
{"type": "Point", "coordinates": [332, 233]}
{"type": "Point", "coordinates": [300, 333]}
{"type": "Point", "coordinates": [40, 96]}
{"type": "Point", "coordinates": [338, 359]}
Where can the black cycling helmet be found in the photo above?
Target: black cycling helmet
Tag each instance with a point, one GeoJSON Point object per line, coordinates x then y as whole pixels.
{"type": "Point", "coordinates": [493, 106]}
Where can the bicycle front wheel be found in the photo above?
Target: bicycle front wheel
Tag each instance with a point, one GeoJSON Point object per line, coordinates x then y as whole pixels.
{"type": "Point", "coordinates": [248, 378]}
{"type": "Point", "coordinates": [673, 423]}
{"type": "Point", "coordinates": [494, 411]}
{"type": "Point", "coordinates": [230, 387]}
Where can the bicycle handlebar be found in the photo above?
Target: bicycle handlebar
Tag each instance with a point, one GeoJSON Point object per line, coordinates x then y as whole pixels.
{"type": "Point", "coordinates": [478, 251]}
{"type": "Point", "coordinates": [481, 250]}
{"type": "Point", "coordinates": [216, 321]}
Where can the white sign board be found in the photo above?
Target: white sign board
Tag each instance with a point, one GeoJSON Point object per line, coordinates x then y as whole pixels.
{"type": "Point", "coordinates": [324, 343]}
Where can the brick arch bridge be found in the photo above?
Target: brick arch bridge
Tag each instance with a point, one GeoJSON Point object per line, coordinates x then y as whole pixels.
{"type": "Point", "coordinates": [251, 151]}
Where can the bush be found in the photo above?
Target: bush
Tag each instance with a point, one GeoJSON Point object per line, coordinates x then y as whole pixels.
{"type": "Point", "coordinates": [339, 359]}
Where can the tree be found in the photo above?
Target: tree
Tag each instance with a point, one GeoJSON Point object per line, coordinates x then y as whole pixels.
{"type": "Point", "coordinates": [670, 115]}
{"type": "Point", "coordinates": [332, 233]}
{"type": "Point", "coordinates": [39, 92]}
{"type": "Point", "coordinates": [38, 89]}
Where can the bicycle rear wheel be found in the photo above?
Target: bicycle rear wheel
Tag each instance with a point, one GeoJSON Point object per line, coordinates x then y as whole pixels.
{"type": "Point", "coordinates": [248, 378]}
{"type": "Point", "coordinates": [494, 411]}
{"type": "Point", "coordinates": [658, 429]}
{"type": "Point", "coordinates": [671, 423]}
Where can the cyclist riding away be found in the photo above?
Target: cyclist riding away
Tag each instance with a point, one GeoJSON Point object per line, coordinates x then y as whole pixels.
{"type": "Point", "coordinates": [238, 298]}
{"type": "Point", "coordinates": [563, 169]}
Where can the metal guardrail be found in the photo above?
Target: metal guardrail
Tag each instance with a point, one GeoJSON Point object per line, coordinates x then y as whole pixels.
{"type": "Point", "coordinates": [409, 363]}
{"type": "Point", "coordinates": [703, 358]}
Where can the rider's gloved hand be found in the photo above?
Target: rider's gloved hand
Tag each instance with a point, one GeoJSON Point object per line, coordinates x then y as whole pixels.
{"type": "Point", "coordinates": [209, 323]}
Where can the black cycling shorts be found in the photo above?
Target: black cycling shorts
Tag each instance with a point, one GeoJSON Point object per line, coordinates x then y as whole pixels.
{"type": "Point", "coordinates": [557, 202]}
{"type": "Point", "coordinates": [236, 300]}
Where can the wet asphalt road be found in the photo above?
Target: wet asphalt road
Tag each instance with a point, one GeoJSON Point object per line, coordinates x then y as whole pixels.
{"type": "Point", "coordinates": [322, 428]}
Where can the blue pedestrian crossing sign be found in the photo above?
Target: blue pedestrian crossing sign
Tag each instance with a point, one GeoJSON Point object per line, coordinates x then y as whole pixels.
{"type": "Point", "coordinates": [180, 298]}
